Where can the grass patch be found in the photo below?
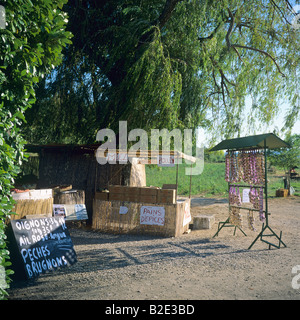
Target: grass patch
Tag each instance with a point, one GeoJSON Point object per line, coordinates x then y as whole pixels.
{"type": "Point", "coordinates": [211, 182]}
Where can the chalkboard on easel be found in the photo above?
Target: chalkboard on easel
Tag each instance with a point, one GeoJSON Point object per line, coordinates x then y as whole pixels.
{"type": "Point", "coordinates": [39, 245]}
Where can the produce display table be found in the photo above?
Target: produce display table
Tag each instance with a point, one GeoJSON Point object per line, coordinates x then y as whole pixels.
{"type": "Point", "coordinates": [161, 214]}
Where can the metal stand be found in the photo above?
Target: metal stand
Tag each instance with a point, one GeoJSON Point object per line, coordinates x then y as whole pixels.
{"type": "Point", "coordinates": [272, 234]}
{"type": "Point", "coordinates": [265, 227]}
{"type": "Point", "coordinates": [227, 224]}
{"type": "Point", "coordinates": [224, 224]}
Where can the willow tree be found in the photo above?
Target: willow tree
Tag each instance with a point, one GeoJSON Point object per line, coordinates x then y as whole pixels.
{"type": "Point", "coordinates": [171, 63]}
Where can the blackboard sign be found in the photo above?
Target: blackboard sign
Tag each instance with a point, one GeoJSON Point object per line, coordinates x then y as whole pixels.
{"type": "Point", "coordinates": [40, 245]}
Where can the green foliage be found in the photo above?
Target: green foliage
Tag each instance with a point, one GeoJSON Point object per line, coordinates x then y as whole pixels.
{"type": "Point", "coordinates": [215, 156]}
{"type": "Point", "coordinates": [288, 157]}
{"type": "Point", "coordinates": [172, 64]}
{"type": "Point", "coordinates": [30, 46]}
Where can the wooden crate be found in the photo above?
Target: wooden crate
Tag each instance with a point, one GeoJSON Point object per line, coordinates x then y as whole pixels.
{"type": "Point", "coordinates": [116, 196]}
{"type": "Point", "coordinates": [116, 189]}
{"type": "Point", "coordinates": [102, 195]}
{"type": "Point", "coordinates": [149, 191]}
{"type": "Point", "coordinates": [131, 197]}
{"type": "Point", "coordinates": [167, 196]}
{"type": "Point", "coordinates": [142, 194]}
{"type": "Point", "coordinates": [148, 198]}
{"type": "Point", "coordinates": [169, 186]}
{"type": "Point", "coordinates": [116, 192]}
{"type": "Point", "coordinates": [124, 193]}
{"type": "Point", "coordinates": [132, 190]}
{"type": "Point", "coordinates": [282, 192]}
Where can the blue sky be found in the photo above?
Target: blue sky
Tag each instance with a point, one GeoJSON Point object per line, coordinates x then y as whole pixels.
{"type": "Point", "coordinates": [278, 122]}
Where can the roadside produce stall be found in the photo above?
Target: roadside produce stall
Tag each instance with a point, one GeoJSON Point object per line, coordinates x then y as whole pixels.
{"type": "Point", "coordinates": [246, 174]}
{"type": "Point", "coordinates": [144, 210]}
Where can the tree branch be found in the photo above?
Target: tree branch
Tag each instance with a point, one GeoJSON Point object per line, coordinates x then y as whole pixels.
{"type": "Point", "coordinates": [166, 13]}
{"type": "Point", "coordinates": [231, 15]}
{"type": "Point", "coordinates": [212, 34]}
{"type": "Point", "coordinates": [215, 81]}
{"type": "Point", "coordinates": [237, 52]}
{"type": "Point", "coordinates": [223, 77]}
{"type": "Point", "coordinates": [234, 46]}
{"type": "Point", "coordinates": [261, 51]}
{"type": "Point", "coordinates": [159, 23]}
{"type": "Point", "coordinates": [230, 28]}
{"type": "Point", "coordinates": [278, 9]}
{"type": "Point", "coordinates": [223, 80]}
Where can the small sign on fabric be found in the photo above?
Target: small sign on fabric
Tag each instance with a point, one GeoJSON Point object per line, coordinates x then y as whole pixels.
{"type": "Point", "coordinates": [246, 195]}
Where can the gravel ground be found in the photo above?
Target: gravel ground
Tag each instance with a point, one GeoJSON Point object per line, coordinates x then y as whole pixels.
{"type": "Point", "coordinates": [193, 266]}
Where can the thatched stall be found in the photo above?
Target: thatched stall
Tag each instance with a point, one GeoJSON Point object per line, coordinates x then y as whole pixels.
{"type": "Point", "coordinates": [145, 210]}
{"type": "Point", "coordinates": [163, 219]}
{"type": "Point", "coordinates": [76, 165]}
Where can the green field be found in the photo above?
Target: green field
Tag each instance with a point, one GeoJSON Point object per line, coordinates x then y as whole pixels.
{"type": "Point", "coordinates": [211, 183]}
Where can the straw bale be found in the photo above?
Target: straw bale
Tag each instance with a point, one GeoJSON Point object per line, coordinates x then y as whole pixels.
{"type": "Point", "coordinates": [22, 208]}
{"type": "Point", "coordinates": [107, 218]}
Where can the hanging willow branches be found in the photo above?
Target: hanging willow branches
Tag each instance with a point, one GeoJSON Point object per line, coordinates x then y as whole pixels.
{"type": "Point", "coordinates": [170, 63]}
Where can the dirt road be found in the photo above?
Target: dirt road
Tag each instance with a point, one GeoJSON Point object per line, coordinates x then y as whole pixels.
{"type": "Point", "coordinates": [193, 266]}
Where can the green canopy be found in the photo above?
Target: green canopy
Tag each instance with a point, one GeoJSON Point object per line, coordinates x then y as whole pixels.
{"type": "Point", "coordinates": [251, 142]}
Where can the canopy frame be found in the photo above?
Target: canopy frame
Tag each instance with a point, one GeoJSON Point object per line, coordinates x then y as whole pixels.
{"type": "Point", "coordinates": [264, 141]}
{"type": "Point", "coordinates": [144, 156]}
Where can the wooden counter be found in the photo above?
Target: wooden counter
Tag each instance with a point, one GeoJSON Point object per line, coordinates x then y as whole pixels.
{"type": "Point", "coordinates": [169, 220]}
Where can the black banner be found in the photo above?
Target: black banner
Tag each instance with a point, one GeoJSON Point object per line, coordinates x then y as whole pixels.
{"type": "Point", "coordinates": [43, 245]}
